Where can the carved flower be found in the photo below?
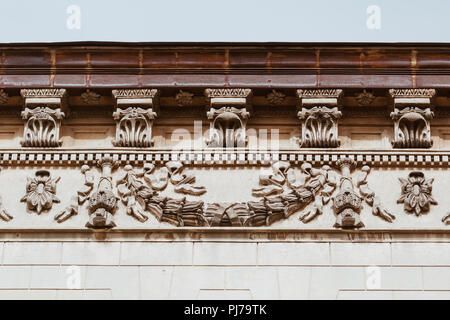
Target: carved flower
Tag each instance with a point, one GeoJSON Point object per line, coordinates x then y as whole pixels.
{"type": "Point", "coordinates": [416, 193]}
{"type": "Point", "coordinates": [90, 97]}
{"type": "Point", "coordinates": [184, 98]}
{"type": "Point", "coordinates": [41, 191]}
{"type": "Point", "coordinates": [365, 98]}
{"type": "Point", "coordinates": [276, 97]}
{"type": "Point", "coordinates": [3, 96]}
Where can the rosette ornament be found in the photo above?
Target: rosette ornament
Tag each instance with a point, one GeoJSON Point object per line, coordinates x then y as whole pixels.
{"type": "Point", "coordinates": [416, 193]}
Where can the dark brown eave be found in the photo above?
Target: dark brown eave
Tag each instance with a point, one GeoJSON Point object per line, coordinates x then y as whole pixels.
{"type": "Point", "coordinates": [254, 65]}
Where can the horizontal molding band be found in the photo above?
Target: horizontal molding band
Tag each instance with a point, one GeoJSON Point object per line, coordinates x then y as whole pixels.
{"type": "Point", "coordinates": [225, 157]}
{"type": "Point", "coordinates": [184, 234]}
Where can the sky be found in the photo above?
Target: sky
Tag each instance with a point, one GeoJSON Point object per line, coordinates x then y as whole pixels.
{"type": "Point", "coordinates": [225, 21]}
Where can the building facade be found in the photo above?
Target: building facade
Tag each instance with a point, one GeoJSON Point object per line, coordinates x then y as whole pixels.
{"type": "Point", "coordinates": [216, 171]}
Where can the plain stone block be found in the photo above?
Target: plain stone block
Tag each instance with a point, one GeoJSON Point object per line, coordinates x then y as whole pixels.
{"type": "Point", "coordinates": [400, 278]}
{"type": "Point", "coordinates": [15, 276]}
{"type": "Point", "coordinates": [418, 254]}
{"type": "Point", "coordinates": [69, 294]}
{"type": "Point", "coordinates": [11, 294]}
{"type": "Point", "coordinates": [97, 295]}
{"type": "Point", "coordinates": [91, 253]}
{"type": "Point", "coordinates": [122, 281]}
{"type": "Point", "coordinates": [211, 294]}
{"type": "Point", "coordinates": [261, 281]}
{"type": "Point", "coordinates": [188, 281]}
{"type": "Point", "coordinates": [293, 254]}
{"type": "Point", "coordinates": [365, 295]}
{"type": "Point", "coordinates": [41, 294]}
{"type": "Point", "coordinates": [32, 253]}
{"type": "Point", "coordinates": [294, 282]}
{"type": "Point", "coordinates": [156, 253]}
{"type": "Point", "coordinates": [222, 253]}
{"type": "Point", "coordinates": [436, 278]}
{"type": "Point", "coordinates": [326, 282]}
{"type": "Point", "coordinates": [360, 254]}
{"type": "Point", "coordinates": [422, 295]}
{"type": "Point", "coordinates": [155, 282]}
{"type": "Point", "coordinates": [57, 277]}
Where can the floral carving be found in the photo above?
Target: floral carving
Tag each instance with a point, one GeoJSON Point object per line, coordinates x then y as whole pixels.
{"type": "Point", "coordinates": [40, 191]}
{"type": "Point", "coordinates": [416, 193]}
{"type": "Point", "coordinates": [184, 98]}
{"type": "Point", "coordinates": [3, 97]}
{"type": "Point", "coordinates": [365, 98]}
{"type": "Point", "coordinates": [89, 97]}
{"type": "Point", "coordinates": [275, 97]}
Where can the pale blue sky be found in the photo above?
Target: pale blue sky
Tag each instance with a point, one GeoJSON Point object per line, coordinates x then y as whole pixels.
{"type": "Point", "coordinates": [230, 20]}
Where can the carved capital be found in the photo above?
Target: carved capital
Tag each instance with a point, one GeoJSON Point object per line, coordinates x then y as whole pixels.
{"type": "Point", "coordinates": [228, 115]}
{"type": "Point", "coordinates": [411, 115]}
{"type": "Point", "coordinates": [319, 115]}
{"type": "Point", "coordinates": [134, 114]}
{"type": "Point", "coordinates": [42, 114]}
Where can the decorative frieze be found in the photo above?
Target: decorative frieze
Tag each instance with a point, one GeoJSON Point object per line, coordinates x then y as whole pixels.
{"type": "Point", "coordinates": [412, 114]}
{"type": "Point", "coordinates": [134, 117]}
{"type": "Point", "coordinates": [319, 115]}
{"type": "Point", "coordinates": [228, 115]}
{"type": "Point", "coordinates": [42, 115]}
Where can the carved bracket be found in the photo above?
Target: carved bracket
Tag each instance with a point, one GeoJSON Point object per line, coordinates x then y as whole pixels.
{"type": "Point", "coordinates": [228, 115]}
{"type": "Point", "coordinates": [42, 115]}
{"type": "Point", "coordinates": [134, 114]}
{"type": "Point", "coordinates": [319, 115]}
{"type": "Point", "coordinates": [412, 114]}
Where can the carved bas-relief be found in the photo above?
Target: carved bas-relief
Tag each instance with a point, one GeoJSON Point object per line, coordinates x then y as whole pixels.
{"type": "Point", "coordinates": [139, 191]}
{"type": "Point", "coordinates": [315, 186]}
{"type": "Point", "coordinates": [42, 115]}
{"type": "Point", "coordinates": [412, 114]}
{"type": "Point", "coordinates": [228, 115]}
{"type": "Point", "coordinates": [319, 115]}
{"type": "Point", "coordinates": [134, 114]}
{"type": "Point", "coordinates": [41, 191]}
{"type": "Point", "coordinates": [102, 203]}
{"type": "Point", "coordinates": [178, 212]}
{"type": "Point", "coordinates": [4, 215]}
{"type": "Point", "coordinates": [416, 193]}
